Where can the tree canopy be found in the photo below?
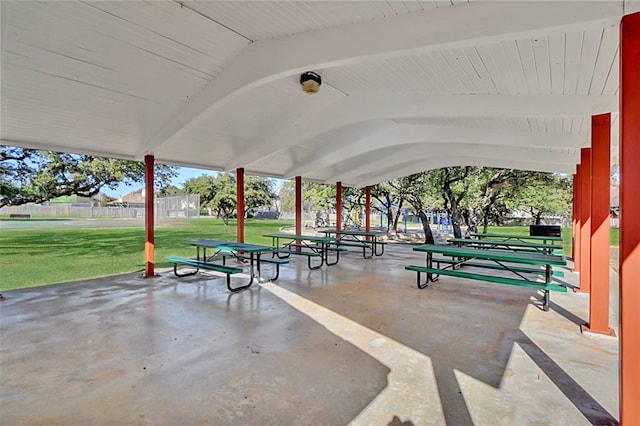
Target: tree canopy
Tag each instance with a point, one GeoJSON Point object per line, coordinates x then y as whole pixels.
{"type": "Point", "coordinates": [219, 193]}
{"type": "Point", "coordinates": [33, 176]}
{"type": "Point", "coordinates": [471, 196]}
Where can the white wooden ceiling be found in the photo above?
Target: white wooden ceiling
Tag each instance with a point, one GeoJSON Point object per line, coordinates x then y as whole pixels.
{"type": "Point", "coordinates": [407, 85]}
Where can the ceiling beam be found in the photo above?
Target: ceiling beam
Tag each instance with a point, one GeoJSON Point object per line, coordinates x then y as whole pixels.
{"type": "Point", "coordinates": [386, 158]}
{"type": "Point", "coordinates": [476, 23]}
{"type": "Point", "coordinates": [335, 150]}
{"type": "Point", "coordinates": [389, 106]}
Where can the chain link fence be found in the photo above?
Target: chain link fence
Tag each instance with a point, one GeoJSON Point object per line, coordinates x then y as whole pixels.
{"type": "Point", "coordinates": [184, 206]}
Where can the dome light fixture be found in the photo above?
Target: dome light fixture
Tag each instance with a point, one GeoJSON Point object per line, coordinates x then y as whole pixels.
{"type": "Point", "coordinates": [310, 82]}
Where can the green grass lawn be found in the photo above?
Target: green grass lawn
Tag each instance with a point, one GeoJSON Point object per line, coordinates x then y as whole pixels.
{"type": "Point", "coordinates": [33, 257]}
{"type": "Point", "coordinates": [39, 256]}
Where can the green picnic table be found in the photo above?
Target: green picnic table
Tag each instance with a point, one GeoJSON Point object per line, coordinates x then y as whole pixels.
{"type": "Point", "coordinates": [312, 246]}
{"type": "Point", "coordinates": [358, 238]}
{"type": "Point", "coordinates": [501, 258]}
{"type": "Point", "coordinates": [523, 238]}
{"type": "Point", "coordinates": [505, 245]}
{"type": "Point", "coordinates": [222, 249]}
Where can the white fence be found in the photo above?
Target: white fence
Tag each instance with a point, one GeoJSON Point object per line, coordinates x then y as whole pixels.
{"type": "Point", "coordinates": [166, 207]}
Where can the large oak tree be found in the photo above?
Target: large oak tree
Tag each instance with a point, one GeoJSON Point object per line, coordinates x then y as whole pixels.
{"type": "Point", "coordinates": [33, 176]}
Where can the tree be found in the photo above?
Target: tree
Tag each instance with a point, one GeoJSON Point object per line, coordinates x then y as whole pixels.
{"type": "Point", "coordinates": [33, 176]}
{"type": "Point", "coordinates": [388, 196]}
{"type": "Point", "coordinates": [224, 199]}
{"type": "Point", "coordinates": [541, 193]}
{"type": "Point", "coordinates": [487, 190]}
{"type": "Point", "coordinates": [454, 184]}
{"type": "Point", "coordinates": [318, 196]}
{"type": "Point", "coordinates": [417, 190]}
{"type": "Point", "coordinates": [171, 191]}
{"type": "Point", "coordinates": [258, 192]}
{"type": "Point", "coordinates": [204, 185]}
{"type": "Point", "coordinates": [287, 196]}
{"type": "Point", "coordinates": [220, 193]}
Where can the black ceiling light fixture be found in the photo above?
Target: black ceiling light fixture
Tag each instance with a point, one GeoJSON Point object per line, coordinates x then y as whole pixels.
{"type": "Point", "coordinates": [310, 82]}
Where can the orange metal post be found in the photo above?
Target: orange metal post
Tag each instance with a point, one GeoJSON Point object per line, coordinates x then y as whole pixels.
{"type": "Point", "coordinates": [574, 218]}
{"type": "Point", "coordinates": [585, 225]}
{"type": "Point", "coordinates": [339, 205]}
{"type": "Point", "coordinates": [600, 224]}
{"type": "Point", "coordinates": [578, 190]}
{"type": "Point", "coordinates": [298, 207]}
{"type": "Point", "coordinates": [240, 204]}
{"type": "Point", "coordinates": [629, 220]}
{"type": "Point", "coordinates": [149, 216]}
{"type": "Point", "coordinates": [367, 208]}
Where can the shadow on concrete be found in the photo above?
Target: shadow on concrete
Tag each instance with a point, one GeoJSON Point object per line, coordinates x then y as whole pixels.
{"type": "Point", "coordinates": [397, 422]}
{"type": "Point", "coordinates": [569, 285]}
{"type": "Point", "coordinates": [185, 350]}
{"type": "Point", "coordinates": [463, 327]}
{"type": "Point", "coordinates": [447, 322]}
{"type": "Point", "coordinates": [595, 413]}
{"type": "Point", "coordinates": [567, 314]}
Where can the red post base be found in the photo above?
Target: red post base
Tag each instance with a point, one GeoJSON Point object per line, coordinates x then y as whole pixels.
{"type": "Point", "coordinates": [580, 290]}
{"type": "Point", "coordinates": [584, 328]}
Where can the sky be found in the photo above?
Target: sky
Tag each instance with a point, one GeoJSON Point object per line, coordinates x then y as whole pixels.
{"type": "Point", "coordinates": [184, 174]}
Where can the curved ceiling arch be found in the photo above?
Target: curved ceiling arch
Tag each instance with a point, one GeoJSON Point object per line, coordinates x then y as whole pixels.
{"type": "Point", "coordinates": [411, 166]}
{"type": "Point", "coordinates": [390, 106]}
{"type": "Point", "coordinates": [267, 60]}
{"type": "Point", "coordinates": [388, 157]}
{"type": "Point", "coordinates": [391, 134]}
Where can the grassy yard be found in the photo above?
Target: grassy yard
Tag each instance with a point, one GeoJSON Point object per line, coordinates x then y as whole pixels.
{"type": "Point", "coordinates": [39, 256]}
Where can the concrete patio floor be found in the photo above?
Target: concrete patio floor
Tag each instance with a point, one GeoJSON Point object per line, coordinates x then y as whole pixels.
{"type": "Point", "coordinates": [353, 343]}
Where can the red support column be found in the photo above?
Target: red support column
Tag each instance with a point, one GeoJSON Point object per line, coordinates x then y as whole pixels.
{"type": "Point", "coordinates": [574, 218]}
{"type": "Point", "coordinates": [585, 224]}
{"type": "Point", "coordinates": [339, 205]}
{"type": "Point", "coordinates": [578, 240]}
{"type": "Point", "coordinates": [240, 204]}
{"type": "Point", "coordinates": [629, 220]}
{"type": "Point", "coordinates": [298, 207]}
{"type": "Point", "coordinates": [149, 216]}
{"type": "Point", "coordinates": [367, 208]}
{"type": "Point", "coordinates": [600, 223]}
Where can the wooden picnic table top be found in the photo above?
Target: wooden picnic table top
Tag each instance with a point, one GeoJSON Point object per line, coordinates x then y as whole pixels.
{"type": "Point", "coordinates": [230, 246]}
{"type": "Point", "coordinates": [509, 244]}
{"type": "Point", "coordinates": [302, 237]}
{"type": "Point", "coordinates": [490, 254]}
{"type": "Point", "coordinates": [356, 232]}
{"type": "Point", "coordinates": [515, 237]}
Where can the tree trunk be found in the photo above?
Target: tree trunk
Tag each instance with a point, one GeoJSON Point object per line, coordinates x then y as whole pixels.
{"type": "Point", "coordinates": [397, 216]}
{"type": "Point", "coordinates": [428, 235]}
{"type": "Point", "coordinates": [389, 215]}
{"type": "Point", "coordinates": [455, 222]}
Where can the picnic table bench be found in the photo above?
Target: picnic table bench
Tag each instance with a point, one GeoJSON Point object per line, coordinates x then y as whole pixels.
{"type": "Point", "coordinates": [242, 256]}
{"type": "Point", "coordinates": [196, 265]}
{"type": "Point", "coordinates": [19, 216]}
{"type": "Point", "coordinates": [222, 250]}
{"type": "Point", "coordinates": [501, 258]}
{"type": "Point", "coordinates": [491, 265]}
